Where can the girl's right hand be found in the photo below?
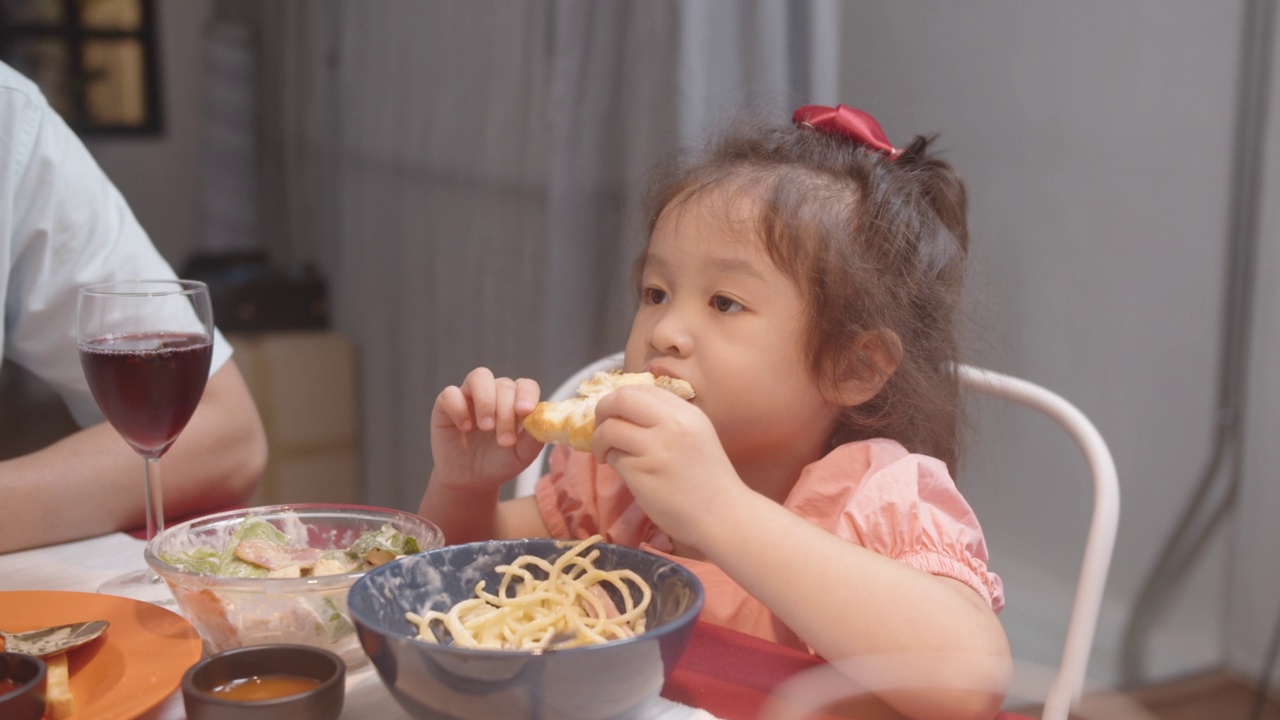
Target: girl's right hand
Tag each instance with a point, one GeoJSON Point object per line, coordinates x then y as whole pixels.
{"type": "Point", "coordinates": [476, 436]}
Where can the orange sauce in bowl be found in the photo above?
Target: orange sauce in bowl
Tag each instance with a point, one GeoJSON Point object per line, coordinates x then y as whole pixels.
{"type": "Point", "coordinates": [264, 687]}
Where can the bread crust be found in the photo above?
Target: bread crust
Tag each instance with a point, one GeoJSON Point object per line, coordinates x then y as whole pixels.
{"type": "Point", "coordinates": [572, 422]}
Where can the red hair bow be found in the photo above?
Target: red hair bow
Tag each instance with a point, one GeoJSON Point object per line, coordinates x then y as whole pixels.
{"type": "Point", "coordinates": [849, 122]}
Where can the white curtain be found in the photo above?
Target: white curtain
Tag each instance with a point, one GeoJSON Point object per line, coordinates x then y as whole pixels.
{"type": "Point", "coordinates": [467, 174]}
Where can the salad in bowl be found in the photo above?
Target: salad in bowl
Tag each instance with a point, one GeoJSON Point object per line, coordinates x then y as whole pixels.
{"type": "Point", "coordinates": [281, 573]}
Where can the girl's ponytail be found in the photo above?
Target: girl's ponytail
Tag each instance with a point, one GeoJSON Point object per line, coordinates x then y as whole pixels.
{"type": "Point", "coordinates": [941, 187]}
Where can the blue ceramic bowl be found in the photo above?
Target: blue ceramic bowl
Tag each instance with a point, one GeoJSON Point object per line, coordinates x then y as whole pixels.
{"type": "Point", "coordinates": [434, 682]}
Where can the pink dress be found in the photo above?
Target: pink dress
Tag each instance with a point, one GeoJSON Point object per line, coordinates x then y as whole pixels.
{"type": "Point", "coordinates": [872, 492]}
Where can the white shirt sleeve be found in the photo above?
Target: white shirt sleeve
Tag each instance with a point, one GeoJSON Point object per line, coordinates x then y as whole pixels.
{"type": "Point", "coordinates": [67, 226]}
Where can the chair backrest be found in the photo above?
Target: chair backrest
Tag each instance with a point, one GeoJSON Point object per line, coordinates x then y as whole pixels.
{"type": "Point", "coordinates": [1068, 685]}
{"type": "Point", "coordinates": [1069, 682]}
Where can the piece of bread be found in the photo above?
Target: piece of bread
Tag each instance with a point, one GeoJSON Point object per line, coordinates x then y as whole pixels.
{"type": "Point", "coordinates": [58, 701]}
{"type": "Point", "coordinates": [572, 422]}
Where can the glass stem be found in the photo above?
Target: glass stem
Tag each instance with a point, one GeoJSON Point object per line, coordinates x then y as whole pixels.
{"type": "Point", "coordinates": [155, 498]}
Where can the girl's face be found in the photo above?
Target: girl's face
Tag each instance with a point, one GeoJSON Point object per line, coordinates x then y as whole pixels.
{"type": "Point", "coordinates": [715, 310]}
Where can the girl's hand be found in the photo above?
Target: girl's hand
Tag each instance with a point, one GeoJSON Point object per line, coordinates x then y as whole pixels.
{"type": "Point", "coordinates": [668, 453]}
{"type": "Point", "coordinates": [476, 438]}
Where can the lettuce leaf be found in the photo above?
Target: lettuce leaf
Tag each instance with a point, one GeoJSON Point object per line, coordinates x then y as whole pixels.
{"type": "Point", "coordinates": [256, 528]}
{"type": "Point", "coordinates": [386, 538]}
{"type": "Point", "coordinates": [208, 561]}
{"type": "Point", "coordinates": [204, 560]}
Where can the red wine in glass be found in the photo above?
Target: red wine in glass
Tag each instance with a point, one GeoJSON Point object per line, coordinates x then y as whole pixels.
{"type": "Point", "coordinates": [148, 384]}
{"type": "Point", "coordinates": [146, 347]}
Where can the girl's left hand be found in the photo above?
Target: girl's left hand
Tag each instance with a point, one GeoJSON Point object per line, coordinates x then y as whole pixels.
{"type": "Point", "coordinates": [667, 452]}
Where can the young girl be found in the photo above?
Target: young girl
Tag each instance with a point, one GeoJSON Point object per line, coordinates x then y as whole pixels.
{"type": "Point", "coordinates": [804, 279]}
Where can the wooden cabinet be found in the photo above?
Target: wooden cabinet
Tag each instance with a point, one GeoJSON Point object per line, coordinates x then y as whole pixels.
{"type": "Point", "coordinates": [304, 384]}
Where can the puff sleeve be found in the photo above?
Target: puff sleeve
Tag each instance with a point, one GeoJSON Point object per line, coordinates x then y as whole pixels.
{"type": "Point", "coordinates": [901, 505]}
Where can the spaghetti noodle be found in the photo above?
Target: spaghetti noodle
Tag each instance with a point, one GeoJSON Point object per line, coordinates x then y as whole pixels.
{"type": "Point", "coordinates": [541, 605]}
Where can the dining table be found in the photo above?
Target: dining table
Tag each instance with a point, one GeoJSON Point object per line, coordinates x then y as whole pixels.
{"type": "Point", "coordinates": [722, 674]}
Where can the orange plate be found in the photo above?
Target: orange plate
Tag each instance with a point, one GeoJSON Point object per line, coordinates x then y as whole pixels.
{"type": "Point", "coordinates": [136, 664]}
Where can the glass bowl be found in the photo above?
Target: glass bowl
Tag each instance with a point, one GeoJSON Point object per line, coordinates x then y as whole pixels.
{"type": "Point", "coordinates": [233, 611]}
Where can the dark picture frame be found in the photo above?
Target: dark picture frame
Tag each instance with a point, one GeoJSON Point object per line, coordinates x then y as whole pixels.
{"type": "Point", "coordinates": [95, 60]}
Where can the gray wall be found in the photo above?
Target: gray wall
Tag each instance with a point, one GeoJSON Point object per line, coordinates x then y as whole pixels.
{"type": "Point", "coordinates": [1096, 138]}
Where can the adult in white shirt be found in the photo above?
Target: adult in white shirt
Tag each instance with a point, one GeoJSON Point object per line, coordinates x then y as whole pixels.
{"type": "Point", "coordinates": [66, 225]}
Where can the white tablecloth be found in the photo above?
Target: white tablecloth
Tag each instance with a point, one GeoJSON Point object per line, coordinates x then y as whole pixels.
{"type": "Point", "coordinates": [82, 566]}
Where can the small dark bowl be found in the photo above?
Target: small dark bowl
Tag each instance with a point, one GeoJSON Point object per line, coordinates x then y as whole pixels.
{"type": "Point", "coordinates": [323, 702]}
{"type": "Point", "coordinates": [26, 701]}
{"type": "Point", "coordinates": [437, 682]}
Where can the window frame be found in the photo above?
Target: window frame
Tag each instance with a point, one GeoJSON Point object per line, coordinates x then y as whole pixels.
{"type": "Point", "coordinates": [75, 34]}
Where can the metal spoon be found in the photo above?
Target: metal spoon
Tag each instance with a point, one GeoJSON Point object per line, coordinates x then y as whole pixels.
{"type": "Point", "coordinates": [53, 640]}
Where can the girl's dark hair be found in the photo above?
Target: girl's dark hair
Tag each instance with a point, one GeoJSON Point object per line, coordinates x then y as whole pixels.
{"type": "Point", "coordinates": [874, 244]}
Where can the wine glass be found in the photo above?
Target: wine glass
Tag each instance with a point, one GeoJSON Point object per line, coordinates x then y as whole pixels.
{"type": "Point", "coordinates": [146, 346]}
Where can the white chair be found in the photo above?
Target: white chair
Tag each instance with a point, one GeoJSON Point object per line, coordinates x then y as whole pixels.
{"type": "Point", "coordinates": [1068, 684]}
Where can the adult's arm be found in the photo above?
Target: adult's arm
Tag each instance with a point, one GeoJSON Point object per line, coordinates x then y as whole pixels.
{"type": "Point", "coordinates": [91, 482]}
